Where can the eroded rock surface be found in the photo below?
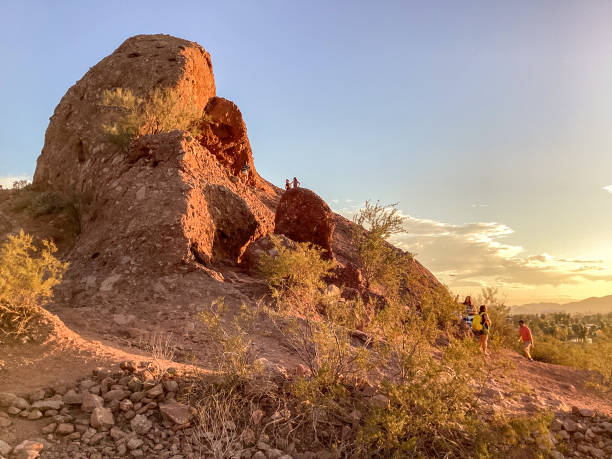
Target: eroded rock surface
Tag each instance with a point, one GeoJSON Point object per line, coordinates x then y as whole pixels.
{"type": "Point", "coordinates": [303, 216]}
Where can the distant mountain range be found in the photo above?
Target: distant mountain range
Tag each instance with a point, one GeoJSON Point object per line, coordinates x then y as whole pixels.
{"type": "Point", "coordinates": [593, 305]}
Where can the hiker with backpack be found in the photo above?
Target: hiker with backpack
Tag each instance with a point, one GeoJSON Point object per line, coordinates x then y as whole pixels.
{"type": "Point", "coordinates": [480, 326]}
{"type": "Point", "coordinates": [526, 339]}
{"type": "Point", "coordinates": [287, 184]}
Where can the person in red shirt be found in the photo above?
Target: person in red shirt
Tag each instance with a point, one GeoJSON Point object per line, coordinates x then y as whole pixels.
{"type": "Point", "coordinates": [525, 338]}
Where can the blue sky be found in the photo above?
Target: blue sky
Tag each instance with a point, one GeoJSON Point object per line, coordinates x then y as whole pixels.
{"type": "Point", "coordinates": [489, 122]}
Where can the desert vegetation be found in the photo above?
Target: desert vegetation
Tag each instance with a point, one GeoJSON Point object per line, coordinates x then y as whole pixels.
{"type": "Point", "coordinates": [35, 203]}
{"type": "Point", "coordinates": [27, 276]}
{"type": "Point", "coordinates": [370, 382]}
{"type": "Point", "coordinates": [160, 111]}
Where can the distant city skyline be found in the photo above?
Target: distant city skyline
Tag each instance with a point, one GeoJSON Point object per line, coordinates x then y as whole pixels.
{"type": "Point", "coordinates": [488, 122]}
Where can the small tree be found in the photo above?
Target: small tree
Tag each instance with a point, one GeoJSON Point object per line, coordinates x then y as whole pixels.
{"type": "Point", "coordinates": [381, 263]}
{"type": "Point", "coordinates": [20, 184]}
{"type": "Point", "coordinates": [27, 277]}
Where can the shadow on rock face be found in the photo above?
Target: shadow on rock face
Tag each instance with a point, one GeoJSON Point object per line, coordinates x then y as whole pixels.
{"type": "Point", "coordinates": [235, 224]}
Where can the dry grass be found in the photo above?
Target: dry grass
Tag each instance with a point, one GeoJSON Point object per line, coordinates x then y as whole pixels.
{"type": "Point", "coordinates": [162, 347]}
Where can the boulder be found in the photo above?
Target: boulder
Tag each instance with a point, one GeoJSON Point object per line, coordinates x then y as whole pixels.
{"type": "Point", "coordinates": [303, 216]}
{"type": "Point", "coordinates": [175, 412]}
{"type": "Point", "coordinates": [64, 429]}
{"type": "Point", "coordinates": [72, 398]}
{"type": "Point", "coordinates": [116, 394]}
{"type": "Point", "coordinates": [570, 425]}
{"type": "Point", "coordinates": [102, 418]}
{"type": "Point", "coordinates": [7, 399]}
{"type": "Point", "coordinates": [20, 403]}
{"type": "Point", "coordinates": [48, 404]}
{"type": "Point", "coordinates": [28, 449]}
{"type": "Point", "coordinates": [155, 391]}
{"type": "Point", "coordinates": [140, 424]}
{"type": "Point", "coordinates": [350, 276]}
{"type": "Point", "coordinates": [91, 402]}
{"type": "Point", "coordinates": [5, 448]}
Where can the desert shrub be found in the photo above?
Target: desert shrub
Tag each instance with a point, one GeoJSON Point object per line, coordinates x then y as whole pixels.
{"type": "Point", "coordinates": [525, 437]}
{"type": "Point", "coordinates": [430, 411]}
{"type": "Point", "coordinates": [594, 357]}
{"type": "Point", "coordinates": [426, 402]}
{"type": "Point", "coordinates": [162, 347]}
{"type": "Point", "coordinates": [383, 265]}
{"type": "Point", "coordinates": [221, 423]}
{"type": "Point", "coordinates": [230, 336]}
{"type": "Point", "coordinates": [27, 277]}
{"type": "Point", "coordinates": [295, 276]}
{"type": "Point", "coordinates": [39, 203]}
{"type": "Point", "coordinates": [161, 111]}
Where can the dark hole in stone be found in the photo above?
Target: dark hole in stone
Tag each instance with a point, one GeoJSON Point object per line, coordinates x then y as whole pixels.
{"type": "Point", "coordinates": [172, 59]}
{"type": "Point", "coordinates": [155, 163]}
{"type": "Point", "coordinates": [80, 151]}
{"type": "Point", "coordinates": [133, 55]}
{"type": "Point", "coordinates": [95, 255]}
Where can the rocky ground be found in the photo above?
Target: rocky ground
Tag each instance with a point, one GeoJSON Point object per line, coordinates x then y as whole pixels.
{"type": "Point", "coordinates": [84, 399]}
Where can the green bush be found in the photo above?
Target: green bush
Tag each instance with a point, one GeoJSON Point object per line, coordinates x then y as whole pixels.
{"type": "Point", "coordinates": [383, 265]}
{"type": "Point", "coordinates": [431, 410]}
{"type": "Point", "coordinates": [27, 277]}
{"type": "Point", "coordinates": [296, 276]}
{"type": "Point", "coordinates": [39, 203]}
{"type": "Point", "coordinates": [160, 111]}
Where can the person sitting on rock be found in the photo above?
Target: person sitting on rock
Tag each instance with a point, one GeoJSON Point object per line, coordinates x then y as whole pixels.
{"type": "Point", "coordinates": [525, 338]}
{"type": "Point", "coordinates": [470, 311]}
{"type": "Point", "coordinates": [296, 183]}
{"type": "Point", "coordinates": [287, 185]}
{"type": "Point", "coordinates": [245, 172]}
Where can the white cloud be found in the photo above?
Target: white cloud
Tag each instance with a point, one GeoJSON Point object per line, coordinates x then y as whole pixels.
{"type": "Point", "coordinates": [477, 254]}
{"type": "Point", "coordinates": [608, 188]}
{"type": "Point", "coordinates": [7, 181]}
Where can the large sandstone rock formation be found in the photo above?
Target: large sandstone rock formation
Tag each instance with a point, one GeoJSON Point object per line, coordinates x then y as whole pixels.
{"type": "Point", "coordinates": [161, 216]}
{"type": "Point", "coordinates": [303, 216]}
{"type": "Point", "coordinates": [169, 197]}
{"type": "Point", "coordinates": [76, 149]}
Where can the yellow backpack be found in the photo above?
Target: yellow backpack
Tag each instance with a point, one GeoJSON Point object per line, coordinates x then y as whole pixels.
{"type": "Point", "coordinates": [477, 322]}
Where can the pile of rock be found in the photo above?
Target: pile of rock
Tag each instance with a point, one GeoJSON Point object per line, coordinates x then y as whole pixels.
{"type": "Point", "coordinates": [111, 414]}
{"type": "Point", "coordinates": [129, 413]}
{"type": "Point", "coordinates": [583, 433]}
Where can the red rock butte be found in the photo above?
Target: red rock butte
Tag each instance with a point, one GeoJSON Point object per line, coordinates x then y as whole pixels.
{"type": "Point", "coordinates": [171, 199]}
